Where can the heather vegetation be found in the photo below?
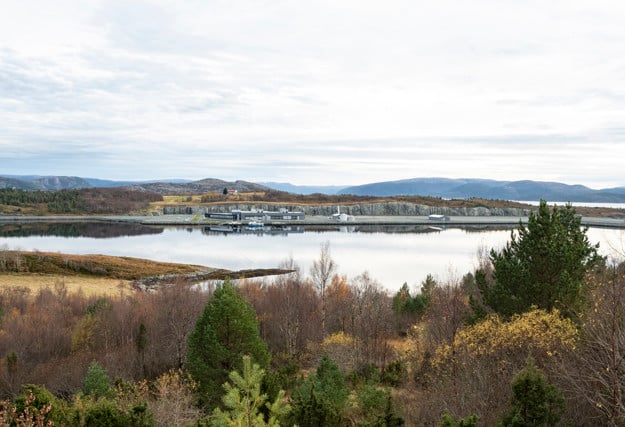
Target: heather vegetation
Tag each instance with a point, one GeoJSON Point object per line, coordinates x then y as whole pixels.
{"type": "Point", "coordinates": [317, 348]}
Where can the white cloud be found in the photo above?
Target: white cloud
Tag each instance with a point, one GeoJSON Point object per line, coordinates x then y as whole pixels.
{"type": "Point", "coordinates": [314, 92]}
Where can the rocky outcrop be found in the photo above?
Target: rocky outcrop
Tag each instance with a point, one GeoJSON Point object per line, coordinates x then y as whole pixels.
{"type": "Point", "coordinates": [365, 209]}
{"type": "Point", "coordinates": [197, 187]}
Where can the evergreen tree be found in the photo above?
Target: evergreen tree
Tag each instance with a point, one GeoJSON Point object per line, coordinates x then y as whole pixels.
{"type": "Point", "coordinates": [243, 400]}
{"type": "Point", "coordinates": [226, 331]}
{"type": "Point", "coordinates": [321, 399]}
{"type": "Point", "coordinates": [97, 382]}
{"type": "Point", "coordinates": [535, 402]}
{"type": "Point", "coordinates": [543, 265]}
{"type": "Point", "coordinates": [449, 421]}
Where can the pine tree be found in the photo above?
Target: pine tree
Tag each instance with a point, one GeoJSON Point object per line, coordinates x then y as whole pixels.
{"type": "Point", "coordinates": [535, 402]}
{"type": "Point", "coordinates": [226, 331]}
{"type": "Point", "coordinates": [243, 400]}
{"type": "Point", "coordinates": [321, 399]}
{"type": "Point", "coordinates": [544, 266]}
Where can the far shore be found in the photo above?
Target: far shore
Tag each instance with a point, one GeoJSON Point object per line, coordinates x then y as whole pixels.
{"type": "Point", "coordinates": [197, 220]}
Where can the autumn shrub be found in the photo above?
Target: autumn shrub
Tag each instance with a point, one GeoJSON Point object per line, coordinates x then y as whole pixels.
{"type": "Point", "coordinates": [593, 376]}
{"type": "Point", "coordinates": [172, 399]}
{"type": "Point", "coordinates": [39, 403]}
{"type": "Point", "coordinates": [27, 417]}
{"type": "Point", "coordinates": [372, 405]}
{"type": "Point", "coordinates": [542, 334]}
{"type": "Point", "coordinates": [471, 375]}
{"type": "Point", "coordinates": [340, 347]}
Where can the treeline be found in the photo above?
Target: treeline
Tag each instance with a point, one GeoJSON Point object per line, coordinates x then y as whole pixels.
{"type": "Point", "coordinates": [83, 201]}
{"type": "Point", "coordinates": [51, 339]}
{"type": "Point", "coordinates": [446, 369]}
{"type": "Point", "coordinates": [534, 336]}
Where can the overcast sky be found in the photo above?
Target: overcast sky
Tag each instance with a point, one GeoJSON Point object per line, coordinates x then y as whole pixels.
{"type": "Point", "coordinates": [314, 92]}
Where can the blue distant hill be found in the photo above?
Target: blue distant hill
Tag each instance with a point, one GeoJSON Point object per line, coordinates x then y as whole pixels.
{"type": "Point", "coordinates": [489, 189]}
{"type": "Point", "coordinates": [526, 190]}
{"type": "Point", "coordinates": [53, 183]}
{"type": "Point", "coordinates": [303, 189]}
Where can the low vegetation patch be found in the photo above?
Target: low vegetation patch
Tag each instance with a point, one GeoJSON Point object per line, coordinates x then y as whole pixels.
{"type": "Point", "coordinates": [124, 268]}
{"type": "Point", "coordinates": [106, 274]}
{"type": "Point", "coordinates": [88, 285]}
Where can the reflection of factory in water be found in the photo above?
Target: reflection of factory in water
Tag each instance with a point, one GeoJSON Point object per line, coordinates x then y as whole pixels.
{"type": "Point", "coordinates": [271, 230]}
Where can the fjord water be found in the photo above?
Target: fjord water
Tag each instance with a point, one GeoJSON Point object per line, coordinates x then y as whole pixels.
{"type": "Point", "coordinates": [391, 255]}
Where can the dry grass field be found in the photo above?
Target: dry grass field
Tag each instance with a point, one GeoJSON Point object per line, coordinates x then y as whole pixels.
{"type": "Point", "coordinates": [88, 285]}
{"type": "Point", "coordinates": [103, 274]}
{"type": "Point", "coordinates": [92, 274]}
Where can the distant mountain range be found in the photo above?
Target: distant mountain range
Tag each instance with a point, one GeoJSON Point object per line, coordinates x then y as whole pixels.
{"type": "Point", "coordinates": [38, 182]}
{"type": "Point", "coordinates": [436, 187]}
{"type": "Point", "coordinates": [173, 186]}
{"type": "Point", "coordinates": [489, 189]}
{"type": "Point", "coordinates": [304, 189]}
{"type": "Point", "coordinates": [198, 187]}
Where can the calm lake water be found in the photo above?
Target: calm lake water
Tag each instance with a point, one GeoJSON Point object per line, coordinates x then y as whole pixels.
{"type": "Point", "coordinates": [391, 255]}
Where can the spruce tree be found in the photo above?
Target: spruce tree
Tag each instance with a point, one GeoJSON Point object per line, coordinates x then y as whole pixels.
{"type": "Point", "coordinates": [97, 382]}
{"type": "Point", "coordinates": [226, 331]}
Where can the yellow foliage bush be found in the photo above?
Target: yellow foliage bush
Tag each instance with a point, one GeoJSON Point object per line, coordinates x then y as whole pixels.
{"type": "Point", "coordinates": [340, 347]}
{"type": "Point", "coordinates": [539, 333]}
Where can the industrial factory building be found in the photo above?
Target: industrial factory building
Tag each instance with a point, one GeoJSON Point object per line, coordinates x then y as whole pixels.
{"type": "Point", "coordinates": [258, 215]}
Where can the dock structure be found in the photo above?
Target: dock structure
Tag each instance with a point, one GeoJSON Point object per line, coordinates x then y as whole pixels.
{"type": "Point", "coordinates": [257, 215]}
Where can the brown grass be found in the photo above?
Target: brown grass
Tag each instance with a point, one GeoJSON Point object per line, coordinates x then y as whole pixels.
{"type": "Point", "coordinates": [93, 274]}
{"type": "Point", "coordinates": [104, 274]}
{"type": "Point", "coordinates": [124, 268]}
{"type": "Point", "coordinates": [89, 285]}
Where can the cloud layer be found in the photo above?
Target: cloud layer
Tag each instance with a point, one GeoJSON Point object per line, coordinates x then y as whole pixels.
{"type": "Point", "coordinates": [314, 92]}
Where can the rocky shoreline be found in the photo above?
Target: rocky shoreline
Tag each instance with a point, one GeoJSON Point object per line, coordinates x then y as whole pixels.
{"type": "Point", "coordinates": [361, 209]}
{"type": "Point", "coordinates": [187, 220]}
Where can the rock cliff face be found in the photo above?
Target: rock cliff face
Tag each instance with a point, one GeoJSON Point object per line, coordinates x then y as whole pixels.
{"type": "Point", "coordinates": [366, 209]}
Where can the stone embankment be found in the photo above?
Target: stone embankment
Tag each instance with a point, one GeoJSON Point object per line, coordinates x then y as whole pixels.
{"type": "Point", "coordinates": [365, 209]}
{"type": "Point", "coordinates": [153, 282]}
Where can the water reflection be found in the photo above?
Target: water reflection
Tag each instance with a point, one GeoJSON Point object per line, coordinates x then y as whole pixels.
{"type": "Point", "coordinates": [242, 229]}
{"type": "Point", "coordinates": [97, 230]}
{"type": "Point", "coordinates": [392, 255]}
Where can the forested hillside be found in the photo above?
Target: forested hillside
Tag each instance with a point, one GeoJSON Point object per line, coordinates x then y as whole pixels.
{"type": "Point", "coordinates": [533, 336]}
{"type": "Point", "coordinates": [84, 201]}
